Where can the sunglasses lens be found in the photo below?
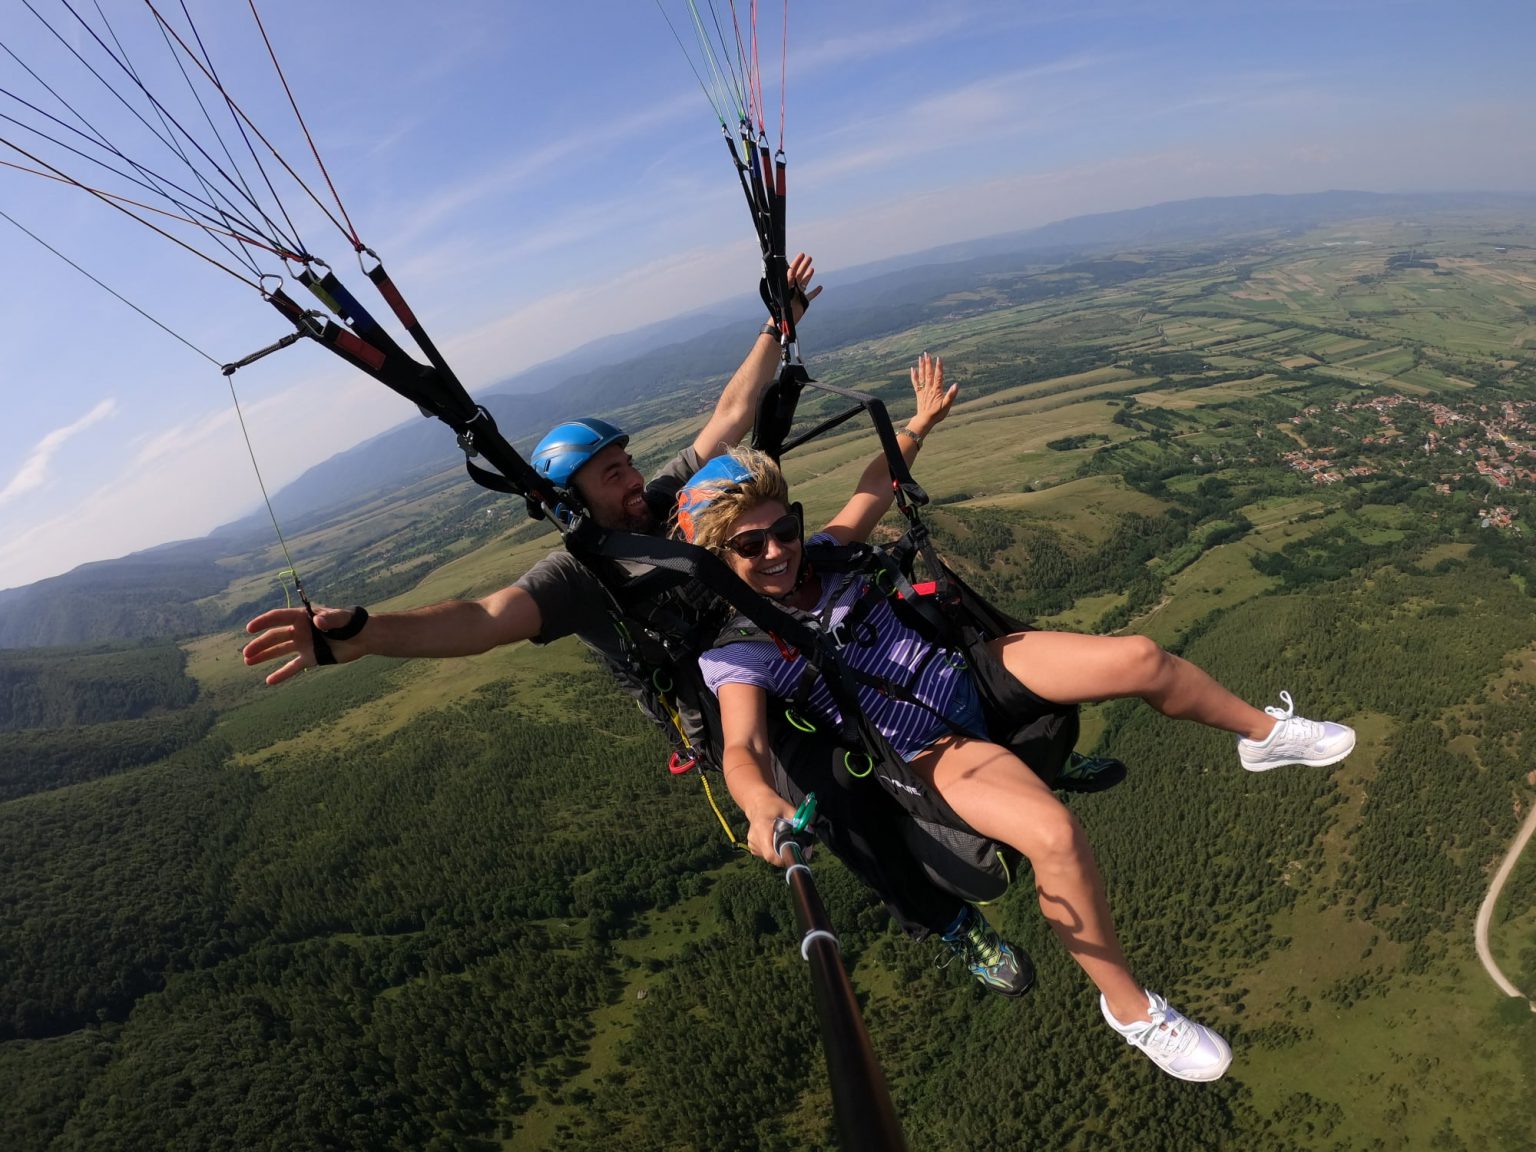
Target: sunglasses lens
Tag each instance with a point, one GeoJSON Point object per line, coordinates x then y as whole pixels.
{"type": "Point", "coordinates": [749, 545]}
{"type": "Point", "coordinates": [786, 530]}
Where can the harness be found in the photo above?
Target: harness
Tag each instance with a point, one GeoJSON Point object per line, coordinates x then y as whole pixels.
{"type": "Point", "coordinates": [957, 630]}
{"type": "Point", "coordinates": [662, 622]}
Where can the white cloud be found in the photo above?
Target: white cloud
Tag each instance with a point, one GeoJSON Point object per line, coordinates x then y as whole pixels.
{"type": "Point", "coordinates": [878, 39]}
{"type": "Point", "coordinates": [182, 482]}
{"type": "Point", "coordinates": [33, 473]}
{"type": "Point", "coordinates": [496, 184]}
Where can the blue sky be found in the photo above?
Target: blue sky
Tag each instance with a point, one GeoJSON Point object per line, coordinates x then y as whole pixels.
{"type": "Point", "coordinates": [539, 175]}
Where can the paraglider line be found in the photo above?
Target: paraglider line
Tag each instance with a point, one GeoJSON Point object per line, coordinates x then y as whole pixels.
{"type": "Point", "coordinates": [149, 184]}
{"type": "Point", "coordinates": [224, 213]}
{"type": "Point", "coordinates": [692, 67]}
{"type": "Point", "coordinates": [294, 104]}
{"type": "Point", "coordinates": [783, 73]}
{"type": "Point", "coordinates": [109, 200]}
{"type": "Point", "coordinates": [251, 240]}
{"type": "Point", "coordinates": [262, 484]}
{"type": "Point", "coordinates": [251, 124]}
{"type": "Point", "coordinates": [160, 109]}
{"type": "Point", "coordinates": [293, 231]}
{"type": "Point", "coordinates": [164, 328]}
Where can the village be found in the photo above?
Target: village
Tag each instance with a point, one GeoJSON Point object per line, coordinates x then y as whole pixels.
{"type": "Point", "coordinates": [1483, 449]}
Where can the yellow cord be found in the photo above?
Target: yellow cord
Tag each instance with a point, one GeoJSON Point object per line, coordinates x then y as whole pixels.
{"type": "Point", "coordinates": [720, 816]}
{"type": "Point", "coordinates": [677, 722]}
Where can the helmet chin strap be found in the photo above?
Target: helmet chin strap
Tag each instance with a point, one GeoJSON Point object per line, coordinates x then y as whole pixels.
{"type": "Point", "coordinates": [805, 573]}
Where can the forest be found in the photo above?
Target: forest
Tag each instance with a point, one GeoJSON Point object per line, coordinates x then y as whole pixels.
{"type": "Point", "coordinates": [393, 906]}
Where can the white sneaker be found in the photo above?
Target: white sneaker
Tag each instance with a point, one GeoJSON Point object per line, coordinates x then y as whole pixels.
{"type": "Point", "coordinates": [1296, 740]}
{"type": "Point", "coordinates": [1178, 1046]}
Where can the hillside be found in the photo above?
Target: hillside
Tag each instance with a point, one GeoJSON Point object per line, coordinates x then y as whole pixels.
{"type": "Point", "coordinates": [459, 904]}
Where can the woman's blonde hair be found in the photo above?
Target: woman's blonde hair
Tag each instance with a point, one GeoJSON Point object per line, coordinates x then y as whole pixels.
{"type": "Point", "coordinates": [708, 510]}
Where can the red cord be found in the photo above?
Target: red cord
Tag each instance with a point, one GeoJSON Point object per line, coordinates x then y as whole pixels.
{"type": "Point", "coordinates": [352, 235]}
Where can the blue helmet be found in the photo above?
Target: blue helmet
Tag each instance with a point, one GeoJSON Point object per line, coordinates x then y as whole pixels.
{"type": "Point", "coordinates": [566, 447]}
{"type": "Point", "coordinates": [719, 475]}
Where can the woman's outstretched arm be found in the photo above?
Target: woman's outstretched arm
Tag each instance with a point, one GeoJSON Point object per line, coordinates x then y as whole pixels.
{"type": "Point", "coordinates": [746, 765]}
{"type": "Point", "coordinates": [872, 499]}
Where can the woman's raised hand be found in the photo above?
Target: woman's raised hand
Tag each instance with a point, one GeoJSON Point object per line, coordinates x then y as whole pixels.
{"type": "Point", "coordinates": [933, 399]}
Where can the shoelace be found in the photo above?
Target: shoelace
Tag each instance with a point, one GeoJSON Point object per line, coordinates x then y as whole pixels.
{"type": "Point", "coordinates": [1303, 732]}
{"type": "Point", "coordinates": [980, 946]}
{"type": "Point", "coordinates": [974, 946]}
{"type": "Point", "coordinates": [1158, 1035]}
{"type": "Point", "coordinates": [1299, 731]}
{"type": "Point", "coordinates": [1283, 713]}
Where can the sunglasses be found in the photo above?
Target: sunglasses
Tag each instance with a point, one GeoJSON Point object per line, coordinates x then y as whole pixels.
{"type": "Point", "coordinates": [749, 545]}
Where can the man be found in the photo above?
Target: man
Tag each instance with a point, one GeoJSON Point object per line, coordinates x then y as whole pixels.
{"type": "Point", "coordinates": [563, 595]}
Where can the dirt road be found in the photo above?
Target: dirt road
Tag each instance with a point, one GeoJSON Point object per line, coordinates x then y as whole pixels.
{"type": "Point", "coordinates": [1485, 913]}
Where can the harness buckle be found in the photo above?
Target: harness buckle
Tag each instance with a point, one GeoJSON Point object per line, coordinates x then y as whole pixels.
{"type": "Point", "coordinates": [861, 634]}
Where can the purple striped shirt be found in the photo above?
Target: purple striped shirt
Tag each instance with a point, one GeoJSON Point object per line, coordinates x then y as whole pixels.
{"type": "Point", "coordinates": [892, 652]}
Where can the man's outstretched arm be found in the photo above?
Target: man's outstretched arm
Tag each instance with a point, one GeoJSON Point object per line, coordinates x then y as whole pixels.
{"type": "Point", "coordinates": [737, 406]}
{"type": "Point", "coordinates": [451, 628]}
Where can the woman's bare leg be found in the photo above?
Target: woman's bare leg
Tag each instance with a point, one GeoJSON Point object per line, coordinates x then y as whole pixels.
{"type": "Point", "coordinates": [997, 795]}
{"type": "Point", "coordinates": [1071, 668]}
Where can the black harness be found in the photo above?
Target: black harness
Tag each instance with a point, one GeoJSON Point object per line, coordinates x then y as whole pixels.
{"type": "Point", "coordinates": [959, 628]}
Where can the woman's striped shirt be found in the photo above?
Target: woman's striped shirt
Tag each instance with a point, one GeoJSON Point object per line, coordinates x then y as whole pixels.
{"type": "Point", "coordinates": [886, 648]}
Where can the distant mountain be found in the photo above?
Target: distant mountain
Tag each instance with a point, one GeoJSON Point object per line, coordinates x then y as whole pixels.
{"type": "Point", "coordinates": [613, 349]}
{"type": "Point", "coordinates": [145, 594]}
{"type": "Point", "coordinates": [1208, 218]}
{"type": "Point", "coordinates": [424, 446]}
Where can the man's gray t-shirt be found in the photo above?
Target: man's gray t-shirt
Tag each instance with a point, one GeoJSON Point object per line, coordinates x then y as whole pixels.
{"type": "Point", "coordinates": [574, 602]}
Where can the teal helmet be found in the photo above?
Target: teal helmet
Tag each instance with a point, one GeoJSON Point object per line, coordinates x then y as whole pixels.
{"type": "Point", "coordinates": [566, 447]}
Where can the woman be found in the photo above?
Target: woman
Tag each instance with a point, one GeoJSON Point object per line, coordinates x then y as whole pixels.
{"type": "Point", "coordinates": [739, 508]}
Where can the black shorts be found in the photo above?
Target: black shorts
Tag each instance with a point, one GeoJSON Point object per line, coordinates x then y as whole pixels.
{"type": "Point", "coordinates": [1038, 731]}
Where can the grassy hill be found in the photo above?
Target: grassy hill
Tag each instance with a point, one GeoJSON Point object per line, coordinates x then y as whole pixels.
{"type": "Point", "coordinates": [458, 904]}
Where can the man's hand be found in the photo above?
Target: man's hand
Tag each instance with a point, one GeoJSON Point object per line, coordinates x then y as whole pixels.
{"type": "Point", "coordinates": [285, 632]}
{"type": "Point", "coordinates": [737, 406]}
{"type": "Point", "coordinates": [802, 269]}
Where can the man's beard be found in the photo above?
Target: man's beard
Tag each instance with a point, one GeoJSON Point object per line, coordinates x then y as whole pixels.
{"type": "Point", "coordinates": [643, 522]}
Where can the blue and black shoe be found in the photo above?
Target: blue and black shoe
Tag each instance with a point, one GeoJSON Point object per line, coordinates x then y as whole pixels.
{"type": "Point", "coordinates": [994, 962]}
{"type": "Point", "coordinates": [1088, 773]}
